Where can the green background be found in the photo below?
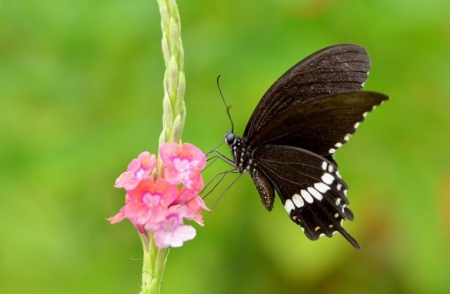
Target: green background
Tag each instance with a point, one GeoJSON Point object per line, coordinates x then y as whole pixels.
{"type": "Point", "coordinates": [81, 95]}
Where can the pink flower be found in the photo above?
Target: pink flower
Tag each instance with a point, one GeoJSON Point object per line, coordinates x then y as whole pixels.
{"type": "Point", "coordinates": [147, 202]}
{"type": "Point", "coordinates": [157, 208]}
{"type": "Point", "coordinates": [182, 164]}
{"type": "Point", "coordinates": [192, 204]}
{"type": "Point", "coordinates": [139, 168]}
{"type": "Point", "coordinates": [171, 231]}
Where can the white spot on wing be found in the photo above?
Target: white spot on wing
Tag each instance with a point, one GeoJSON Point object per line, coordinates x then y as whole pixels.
{"type": "Point", "coordinates": [321, 187]}
{"type": "Point", "coordinates": [356, 125]}
{"type": "Point", "coordinates": [330, 168]}
{"type": "Point", "coordinates": [324, 165]}
{"type": "Point", "coordinates": [315, 193]}
{"type": "Point", "coordinates": [308, 198]}
{"type": "Point", "coordinates": [347, 137]}
{"type": "Point", "coordinates": [298, 201]}
{"type": "Point", "coordinates": [327, 178]}
{"type": "Point", "coordinates": [338, 145]}
{"type": "Point", "coordinates": [332, 150]}
{"type": "Point", "coordinates": [289, 206]}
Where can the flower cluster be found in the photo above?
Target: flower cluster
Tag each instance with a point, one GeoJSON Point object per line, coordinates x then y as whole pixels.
{"type": "Point", "coordinates": [159, 206]}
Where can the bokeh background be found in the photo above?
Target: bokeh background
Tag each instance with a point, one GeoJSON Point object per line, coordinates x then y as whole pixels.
{"type": "Point", "coordinates": [81, 94]}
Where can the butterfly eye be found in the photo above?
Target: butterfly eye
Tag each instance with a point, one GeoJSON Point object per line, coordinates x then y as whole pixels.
{"type": "Point", "coordinates": [230, 138]}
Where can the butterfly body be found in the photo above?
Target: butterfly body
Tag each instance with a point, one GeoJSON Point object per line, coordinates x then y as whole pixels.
{"type": "Point", "coordinates": [245, 163]}
{"type": "Point", "coordinates": [294, 131]}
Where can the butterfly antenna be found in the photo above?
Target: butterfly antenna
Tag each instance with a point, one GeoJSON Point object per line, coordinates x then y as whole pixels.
{"type": "Point", "coordinates": [224, 102]}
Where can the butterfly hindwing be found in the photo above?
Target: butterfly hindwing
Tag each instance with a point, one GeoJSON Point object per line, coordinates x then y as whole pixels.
{"type": "Point", "coordinates": [336, 69]}
{"type": "Point", "coordinates": [310, 188]}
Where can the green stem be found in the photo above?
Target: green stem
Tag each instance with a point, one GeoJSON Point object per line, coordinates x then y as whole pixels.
{"type": "Point", "coordinates": [153, 267]}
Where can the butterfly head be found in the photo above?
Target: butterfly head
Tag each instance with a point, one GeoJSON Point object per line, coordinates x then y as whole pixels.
{"type": "Point", "coordinates": [241, 157]}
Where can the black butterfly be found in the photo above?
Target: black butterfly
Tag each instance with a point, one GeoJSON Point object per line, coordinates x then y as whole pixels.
{"type": "Point", "coordinates": [291, 137]}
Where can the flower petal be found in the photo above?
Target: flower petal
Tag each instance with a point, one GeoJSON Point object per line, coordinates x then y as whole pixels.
{"type": "Point", "coordinates": [149, 200]}
{"type": "Point", "coordinates": [195, 155]}
{"type": "Point", "coordinates": [138, 169]}
{"type": "Point", "coordinates": [126, 180]}
{"type": "Point", "coordinates": [176, 238]}
{"type": "Point", "coordinates": [118, 217]}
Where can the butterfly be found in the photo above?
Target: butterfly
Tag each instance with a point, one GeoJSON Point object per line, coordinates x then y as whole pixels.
{"type": "Point", "coordinates": [290, 140]}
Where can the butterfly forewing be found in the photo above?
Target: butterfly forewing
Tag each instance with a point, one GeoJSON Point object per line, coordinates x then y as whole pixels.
{"type": "Point", "coordinates": [322, 125]}
{"type": "Point", "coordinates": [336, 69]}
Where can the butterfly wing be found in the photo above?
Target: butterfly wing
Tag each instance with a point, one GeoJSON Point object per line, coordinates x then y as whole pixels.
{"type": "Point", "coordinates": [322, 125]}
{"type": "Point", "coordinates": [310, 188]}
{"type": "Point", "coordinates": [336, 69]}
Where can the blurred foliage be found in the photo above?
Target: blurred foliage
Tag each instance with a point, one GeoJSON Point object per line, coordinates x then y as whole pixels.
{"type": "Point", "coordinates": [80, 96]}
